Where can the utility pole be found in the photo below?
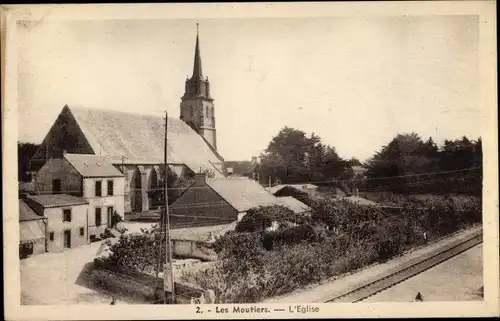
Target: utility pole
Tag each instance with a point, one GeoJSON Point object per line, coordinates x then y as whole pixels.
{"type": "Point", "coordinates": [166, 228]}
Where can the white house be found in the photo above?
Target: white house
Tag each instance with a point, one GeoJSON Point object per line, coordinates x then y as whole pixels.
{"type": "Point", "coordinates": [90, 177]}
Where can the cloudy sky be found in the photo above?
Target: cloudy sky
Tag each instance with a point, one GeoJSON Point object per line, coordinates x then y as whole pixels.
{"type": "Point", "coordinates": [355, 82]}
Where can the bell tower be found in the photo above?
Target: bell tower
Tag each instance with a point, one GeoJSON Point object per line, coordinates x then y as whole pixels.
{"type": "Point", "coordinates": [197, 108]}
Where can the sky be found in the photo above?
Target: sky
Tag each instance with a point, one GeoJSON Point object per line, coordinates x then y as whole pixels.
{"type": "Point", "coordinates": [355, 82]}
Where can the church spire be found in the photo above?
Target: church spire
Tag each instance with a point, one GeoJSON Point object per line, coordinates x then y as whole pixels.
{"type": "Point", "coordinates": [197, 71]}
{"type": "Point", "coordinates": [197, 85]}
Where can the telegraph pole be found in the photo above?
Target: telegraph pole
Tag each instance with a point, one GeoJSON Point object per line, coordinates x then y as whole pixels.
{"type": "Point", "coordinates": [166, 227]}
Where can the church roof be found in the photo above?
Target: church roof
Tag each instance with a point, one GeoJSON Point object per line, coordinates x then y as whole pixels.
{"type": "Point", "coordinates": [140, 138]}
{"type": "Point", "coordinates": [92, 165]}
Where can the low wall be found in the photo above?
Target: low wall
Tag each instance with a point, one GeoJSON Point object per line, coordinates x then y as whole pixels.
{"type": "Point", "coordinates": [140, 286]}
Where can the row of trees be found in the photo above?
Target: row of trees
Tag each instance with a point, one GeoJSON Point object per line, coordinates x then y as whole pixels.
{"type": "Point", "coordinates": [455, 167]}
{"type": "Point", "coordinates": [409, 164]}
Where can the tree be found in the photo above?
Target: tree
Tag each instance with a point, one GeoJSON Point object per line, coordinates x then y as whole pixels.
{"type": "Point", "coordinates": [292, 157]}
{"type": "Point", "coordinates": [25, 152]}
{"type": "Point", "coordinates": [354, 162]}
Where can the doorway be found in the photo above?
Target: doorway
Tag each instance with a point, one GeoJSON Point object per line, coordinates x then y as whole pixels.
{"type": "Point", "coordinates": [67, 239]}
{"type": "Point", "coordinates": [110, 216]}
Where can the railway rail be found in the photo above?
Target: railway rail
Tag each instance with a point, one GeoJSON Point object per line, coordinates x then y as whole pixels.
{"type": "Point", "coordinates": [408, 270]}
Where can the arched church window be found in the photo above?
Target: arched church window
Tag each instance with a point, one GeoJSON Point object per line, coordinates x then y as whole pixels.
{"type": "Point", "coordinates": [192, 111]}
{"type": "Point", "coordinates": [206, 111]}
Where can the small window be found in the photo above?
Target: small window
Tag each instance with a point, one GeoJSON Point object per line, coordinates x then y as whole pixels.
{"type": "Point", "coordinates": [110, 188]}
{"type": "Point", "coordinates": [98, 188]}
{"type": "Point", "coordinates": [67, 215]}
{"type": "Point", "coordinates": [82, 231]}
{"type": "Point", "coordinates": [56, 186]}
{"type": "Point", "coordinates": [51, 236]}
{"type": "Point", "coordinates": [98, 216]}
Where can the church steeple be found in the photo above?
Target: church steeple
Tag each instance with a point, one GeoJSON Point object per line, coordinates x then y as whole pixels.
{"type": "Point", "coordinates": [197, 71]}
{"type": "Point", "coordinates": [197, 85]}
{"type": "Point", "coordinates": [197, 108]}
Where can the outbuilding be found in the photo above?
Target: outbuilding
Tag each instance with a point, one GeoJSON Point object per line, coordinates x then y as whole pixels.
{"type": "Point", "coordinates": [219, 200]}
{"type": "Point", "coordinates": [31, 231]}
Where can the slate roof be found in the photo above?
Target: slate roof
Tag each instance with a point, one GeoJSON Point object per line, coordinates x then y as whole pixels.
{"type": "Point", "coordinates": [140, 138]}
{"type": "Point", "coordinates": [242, 193]}
{"type": "Point", "coordinates": [57, 200]}
{"type": "Point", "coordinates": [92, 165]}
{"type": "Point", "coordinates": [30, 231]}
{"type": "Point", "coordinates": [241, 167]}
{"type": "Point", "coordinates": [293, 204]}
{"type": "Point", "coordinates": [27, 186]}
{"type": "Point", "coordinates": [26, 213]}
{"type": "Point", "coordinates": [300, 187]}
{"type": "Point", "coordinates": [359, 169]}
{"type": "Point", "coordinates": [359, 200]}
{"type": "Point", "coordinates": [202, 233]}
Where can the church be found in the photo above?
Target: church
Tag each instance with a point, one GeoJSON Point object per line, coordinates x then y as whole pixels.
{"type": "Point", "coordinates": [134, 143]}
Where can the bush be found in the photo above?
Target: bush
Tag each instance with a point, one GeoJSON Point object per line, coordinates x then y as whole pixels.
{"type": "Point", "coordinates": [107, 234]}
{"type": "Point", "coordinates": [257, 265]}
{"type": "Point", "coordinates": [115, 219]}
{"type": "Point", "coordinates": [290, 236]}
{"type": "Point", "coordinates": [261, 218]}
{"type": "Point", "coordinates": [136, 252]}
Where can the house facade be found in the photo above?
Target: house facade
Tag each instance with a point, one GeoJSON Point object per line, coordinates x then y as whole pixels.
{"type": "Point", "coordinates": [90, 177]}
{"type": "Point", "coordinates": [66, 218]}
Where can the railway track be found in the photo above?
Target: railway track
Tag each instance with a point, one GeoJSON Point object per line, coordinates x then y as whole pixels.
{"type": "Point", "coordinates": [408, 270]}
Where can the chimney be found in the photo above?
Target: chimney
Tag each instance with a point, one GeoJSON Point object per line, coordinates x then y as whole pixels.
{"type": "Point", "coordinates": [200, 179]}
{"type": "Point", "coordinates": [33, 177]}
